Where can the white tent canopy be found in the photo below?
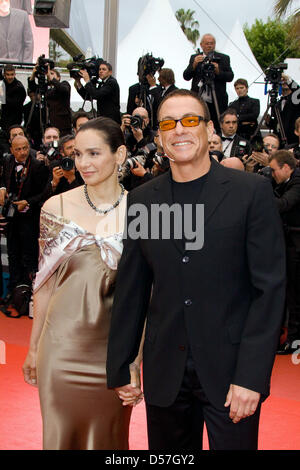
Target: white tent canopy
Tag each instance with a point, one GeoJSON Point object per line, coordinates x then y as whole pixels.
{"type": "Point", "coordinates": [244, 65]}
{"type": "Point", "coordinates": [157, 31]}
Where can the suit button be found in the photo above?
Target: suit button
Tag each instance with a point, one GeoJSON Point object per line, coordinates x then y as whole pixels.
{"type": "Point", "coordinates": [188, 302]}
{"type": "Point", "coordinates": [186, 259]}
{"type": "Point", "coordinates": [181, 348]}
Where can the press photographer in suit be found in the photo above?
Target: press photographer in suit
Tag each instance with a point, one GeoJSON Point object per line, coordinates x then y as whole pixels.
{"type": "Point", "coordinates": [196, 71]}
{"type": "Point", "coordinates": [22, 183]}
{"type": "Point", "coordinates": [107, 92]}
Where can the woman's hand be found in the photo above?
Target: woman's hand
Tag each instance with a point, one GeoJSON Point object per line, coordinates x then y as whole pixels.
{"type": "Point", "coordinates": [29, 368]}
{"type": "Point", "coordinates": [131, 395]}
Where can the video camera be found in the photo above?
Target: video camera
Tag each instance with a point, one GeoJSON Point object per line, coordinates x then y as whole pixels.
{"type": "Point", "coordinates": [90, 65]}
{"type": "Point", "coordinates": [274, 74]}
{"type": "Point", "coordinates": [207, 66]}
{"type": "Point", "coordinates": [148, 65]}
{"type": "Point", "coordinates": [42, 65]}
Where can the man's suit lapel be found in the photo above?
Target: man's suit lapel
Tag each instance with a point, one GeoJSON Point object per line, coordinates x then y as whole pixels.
{"type": "Point", "coordinates": [212, 194]}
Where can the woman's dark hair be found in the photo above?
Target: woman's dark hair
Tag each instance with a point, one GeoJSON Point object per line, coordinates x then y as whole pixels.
{"type": "Point", "coordinates": [109, 129]}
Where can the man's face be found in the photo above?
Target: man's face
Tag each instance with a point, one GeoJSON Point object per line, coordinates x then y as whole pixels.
{"type": "Point", "coordinates": [271, 144]}
{"type": "Point", "coordinates": [68, 148]}
{"type": "Point", "coordinates": [4, 7]}
{"type": "Point", "coordinates": [215, 143]}
{"type": "Point", "coordinates": [50, 135]}
{"type": "Point", "coordinates": [229, 125]}
{"type": "Point", "coordinates": [208, 44]}
{"type": "Point", "coordinates": [144, 114]}
{"type": "Point", "coordinates": [20, 149]}
{"type": "Point", "coordinates": [241, 90]}
{"type": "Point", "coordinates": [80, 121]}
{"type": "Point", "coordinates": [53, 74]}
{"type": "Point", "coordinates": [14, 132]}
{"type": "Point", "coordinates": [185, 145]}
{"type": "Point", "coordinates": [104, 72]}
{"type": "Point", "coordinates": [9, 75]}
{"type": "Point", "coordinates": [280, 174]}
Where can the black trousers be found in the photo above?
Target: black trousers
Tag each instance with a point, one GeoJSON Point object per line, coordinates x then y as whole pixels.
{"type": "Point", "coordinates": [180, 426]}
{"type": "Point", "coordinates": [22, 249]}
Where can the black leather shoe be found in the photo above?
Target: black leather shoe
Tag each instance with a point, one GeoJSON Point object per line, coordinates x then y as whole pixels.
{"type": "Point", "coordinates": [286, 348]}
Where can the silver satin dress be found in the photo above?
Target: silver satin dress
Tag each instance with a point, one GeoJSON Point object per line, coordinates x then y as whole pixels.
{"type": "Point", "coordinates": [78, 410]}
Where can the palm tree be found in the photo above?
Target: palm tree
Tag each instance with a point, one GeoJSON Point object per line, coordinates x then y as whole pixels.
{"type": "Point", "coordinates": [281, 8]}
{"type": "Point", "coordinates": [188, 24]}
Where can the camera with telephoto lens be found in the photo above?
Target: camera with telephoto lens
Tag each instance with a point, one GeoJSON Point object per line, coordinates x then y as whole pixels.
{"type": "Point", "coordinates": [132, 161]}
{"type": "Point", "coordinates": [241, 149]}
{"type": "Point", "coordinates": [9, 209]}
{"type": "Point", "coordinates": [274, 73]}
{"type": "Point", "coordinates": [297, 152]}
{"type": "Point", "coordinates": [266, 172]}
{"type": "Point", "coordinates": [207, 66]}
{"type": "Point", "coordinates": [162, 161]}
{"type": "Point", "coordinates": [50, 150]}
{"type": "Point", "coordinates": [136, 121]}
{"type": "Point", "coordinates": [149, 65]}
{"type": "Point", "coordinates": [90, 65]}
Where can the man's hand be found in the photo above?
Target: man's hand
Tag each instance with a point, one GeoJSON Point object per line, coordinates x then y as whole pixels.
{"type": "Point", "coordinates": [3, 195]}
{"type": "Point", "coordinates": [242, 401]}
{"type": "Point", "coordinates": [57, 174]}
{"type": "Point", "coordinates": [137, 133]}
{"type": "Point", "coordinates": [131, 394]}
{"type": "Point", "coordinates": [125, 121]}
{"type": "Point", "coordinates": [139, 170]}
{"type": "Point", "coordinates": [217, 68]}
{"type": "Point", "coordinates": [21, 205]}
{"type": "Point", "coordinates": [84, 74]}
{"type": "Point", "coordinates": [198, 60]}
{"type": "Point", "coordinates": [260, 157]}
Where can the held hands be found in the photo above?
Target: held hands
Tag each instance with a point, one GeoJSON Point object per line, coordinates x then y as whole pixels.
{"type": "Point", "coordinates": [29, 369]}
{"type": "Point", "coordinates": [242, 401]}
{"type": "Point", "coordinates": [131, 394]}
{"type": "Point", "coordinates": [21, 205]}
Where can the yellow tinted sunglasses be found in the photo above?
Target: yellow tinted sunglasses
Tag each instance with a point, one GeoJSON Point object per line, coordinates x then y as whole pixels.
{"type": "Point", "coordinates": [188, 121]}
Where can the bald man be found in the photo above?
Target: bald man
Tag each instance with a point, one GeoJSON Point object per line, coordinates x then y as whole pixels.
{"type": "Point", "coordinates": [22, 182]}
{"type": "Point", "coordinates": [196, 71]}
{"type": "Point", "coordinates": [234, 163]}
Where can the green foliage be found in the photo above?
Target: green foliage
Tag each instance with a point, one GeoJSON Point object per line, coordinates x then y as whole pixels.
{"type": "Point", "coordinates": [270, 42]}
{"type": "Point", "coordinates": [188, 24]}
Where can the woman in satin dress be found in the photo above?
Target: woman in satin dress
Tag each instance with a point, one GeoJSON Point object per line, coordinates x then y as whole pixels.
{"type": "Point", "coordinates": [80, 246]}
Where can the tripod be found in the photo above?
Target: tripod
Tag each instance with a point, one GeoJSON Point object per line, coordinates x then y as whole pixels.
{"type": "Point", "coordinates": [40, 100]}
{"type": "Point", "coordinates": [275, 114]}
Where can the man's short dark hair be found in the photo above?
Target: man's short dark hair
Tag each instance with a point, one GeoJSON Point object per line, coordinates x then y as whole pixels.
{"type": "Point", "coordinates": [167, 75]}
{"type": "Point", "coordinates": [230, 111]}
{"type": "Point", "coordinates": [9, 68]}
{"type": "Point", "coordinates": [241, 81]}
{"type": "Point", "coordinates": [274, 137]}
{"type": "Point", "coordinates": [78, 115]}
{"type": "Point", "coordinates": [108, 65]}
{"type": "Point", "coordinates": [16, 126]}
{"type": "Point", "coordinates": [57, 72]}
{"type": "Point", "coordinates": [64, 140]}
{"type": "Point", "coordinates": [181, 92]}
{"type": "Point", "coordinates": [282, 157]}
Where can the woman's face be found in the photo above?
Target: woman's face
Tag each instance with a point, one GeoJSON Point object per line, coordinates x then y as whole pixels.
{"type": "Point", "coordinates": [94, 159]}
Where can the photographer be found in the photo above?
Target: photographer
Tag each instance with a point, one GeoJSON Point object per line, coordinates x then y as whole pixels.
{"type": "Point", "coordinates": [49, 141]}
{"type": "Point", "coordinates": [107, 92]}
{"type": "Point", "coordinates": [296, 147]}
{"type": "Point", "coordinates": [22, 183]}
{"type": "Point", "coordinates": [287, 192]}
{"type": "Point", "coordinates": [217, 67]}
{"type": "Point", "coordinates": [12, 111]}
{"type": "Point", "coordinates": [79, 118]}
{"type": "Point", "coordinates": [247, 109]}
{"type": "Point", "coordinates": [289, 108]}
{"type": "Point", "coordinates": [260, 155]}
{"type": "Point", "coordinates": [233, 144]}
{"type": "Point", "coordinates": [215, 146]}
{"type": "Point", "coordinates": [57, 95]}
{"type": "Point", "coordinates": [63, 172]}
{"type": "Point", "coordinates": [139, 138]}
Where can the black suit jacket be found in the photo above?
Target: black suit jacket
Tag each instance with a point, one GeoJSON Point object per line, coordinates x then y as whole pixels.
{"type": "Point", "coordinates": [34, 183]}
{"type": "Point", "coordinates": [248, 111]}
{"type": "Point", "coordinates": [107, 96]}
{"type": "Point", "coordinates": [13, 109]}
{"type": "Point", "coordinates": [58, 100]}
{"type": "Point", "coordinates": [224, 301]}
{"type": "Point", "coordinates": [225, 75]}
{"type": "Point", "coordinates": [238, 143]}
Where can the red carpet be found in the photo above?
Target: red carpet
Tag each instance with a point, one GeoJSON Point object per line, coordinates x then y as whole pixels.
{"type": "Point", "coordinates": [20, 423]}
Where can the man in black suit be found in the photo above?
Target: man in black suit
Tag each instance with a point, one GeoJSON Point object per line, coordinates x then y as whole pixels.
{"type": "Point", "coordinates": [166, 80]}
{"type": "Point", "coordinates": [210, 285]}
{"type": "Point", "coordinates": [23, 180]}
{"type": "Point", "coordinates": [233, 144]}
{"type": "Point", "coordinates": [289, 108]}
{"type": "Point", "coordinates": [15, 95]}
{"type": "Point", "coordinates": [107, 93]}
{"type": "Point", "coordinates": [287, 191]}
{"type": "Point", "coordinates": [197, 71]}
{"type": "Point", "coordinates": [58, 98]}
{"type": "Point", "coordinates": [247, 109]}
